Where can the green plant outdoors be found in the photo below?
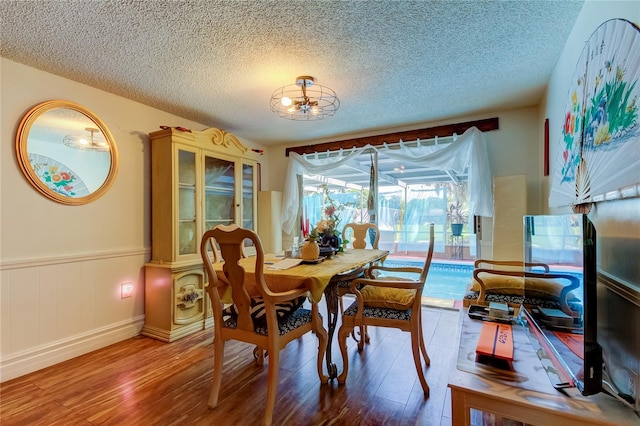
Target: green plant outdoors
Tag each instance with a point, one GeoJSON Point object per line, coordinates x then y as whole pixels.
{"type": "Point", "coordinates": [456, 213]}
{"type": "Point", "coordinates": [457, 208]}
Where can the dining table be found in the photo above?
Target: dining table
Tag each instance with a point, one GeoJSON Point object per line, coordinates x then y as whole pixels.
{"type": "Point", "coordinates": [320, 277]}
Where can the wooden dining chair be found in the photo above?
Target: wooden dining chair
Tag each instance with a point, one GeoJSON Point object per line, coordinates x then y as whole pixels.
{"type": "Point", "coordinates": [359, 236]}
{"type": "Point", "coordinates": [363, 235]}
{"type": "Point", "coordinates": [517, 283]}
{"type": "Point", "coordinates": [265, 320]}
{"type": "Point", "coordinates": [479, 292]}
{"type": "Point", "coordinates": [389, 301]}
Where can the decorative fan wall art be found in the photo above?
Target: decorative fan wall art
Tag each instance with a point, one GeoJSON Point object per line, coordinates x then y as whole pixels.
{"type": "Point", "coordinates": [58, 177]}
{"type": "Point", "coordinates": [600, 143]}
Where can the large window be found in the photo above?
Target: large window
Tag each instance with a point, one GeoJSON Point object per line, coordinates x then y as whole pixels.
{"type": "Point", "coordinates": [400, 187]}
{"type": "Point", "coordinates": [402, 211]}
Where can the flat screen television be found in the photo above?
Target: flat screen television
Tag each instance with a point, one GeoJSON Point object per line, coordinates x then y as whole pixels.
{"type": "Point", "coordinates": [566, 339]}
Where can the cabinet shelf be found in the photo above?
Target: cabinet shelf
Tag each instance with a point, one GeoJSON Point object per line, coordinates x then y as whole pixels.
{"type": "Point", "coordinates": [229, 192]}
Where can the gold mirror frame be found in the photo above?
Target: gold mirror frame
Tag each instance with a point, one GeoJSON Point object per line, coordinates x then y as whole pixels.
{"type": "Point", "coordinates": [54, 129]}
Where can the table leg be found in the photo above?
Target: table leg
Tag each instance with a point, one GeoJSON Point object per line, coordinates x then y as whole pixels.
{"type": "Point", "coordinates": [460, 413]}
{"type": "Point", "coordinates": [331, 298]}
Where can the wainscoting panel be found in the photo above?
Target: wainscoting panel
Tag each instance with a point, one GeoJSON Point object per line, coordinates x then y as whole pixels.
{"type": "Point", "coordinates": [56, 309]}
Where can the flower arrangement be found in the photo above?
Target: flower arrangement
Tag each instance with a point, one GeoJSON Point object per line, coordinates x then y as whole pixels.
{"type": "Point", "coordinates": [326, 231]}
{"type": "Point", "coordinates": [328, 225]}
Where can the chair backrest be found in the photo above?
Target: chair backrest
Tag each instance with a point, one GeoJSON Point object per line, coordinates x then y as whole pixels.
{"type": "Point", "coordinates": [230, 239]}
{"type": "Point", "coordinates": [361, 234]}
{"type": "Point", "coordinates": [510, 265]}
{"type": "Point", "coordinates": [416, 273]}
{"type": "Point", "coordinates": [427, 261]}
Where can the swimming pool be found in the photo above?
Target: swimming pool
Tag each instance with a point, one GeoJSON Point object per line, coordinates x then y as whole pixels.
{"type": "Point", "coordinates": [444, 281]}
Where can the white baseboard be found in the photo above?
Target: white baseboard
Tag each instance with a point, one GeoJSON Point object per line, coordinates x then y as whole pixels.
{"type": "Point", "coordinates": [22, 363]}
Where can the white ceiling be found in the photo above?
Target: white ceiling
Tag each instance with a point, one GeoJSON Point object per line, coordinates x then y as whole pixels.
{"type": "Point", "coordinates": [393, 64]}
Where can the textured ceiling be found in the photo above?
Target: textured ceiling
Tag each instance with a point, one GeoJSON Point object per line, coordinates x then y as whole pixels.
{"type": "Point", "coordinates": [393, 64]}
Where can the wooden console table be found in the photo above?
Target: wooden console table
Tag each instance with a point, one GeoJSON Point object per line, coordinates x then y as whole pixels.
{"type": "Point", "coordinates": [525, 394]}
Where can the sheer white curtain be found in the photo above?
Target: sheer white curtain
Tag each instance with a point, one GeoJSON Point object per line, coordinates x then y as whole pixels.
{"type": "Point", "coordinates": [298, 165]}
{"type": "Point", "coordinates": [469, 152]}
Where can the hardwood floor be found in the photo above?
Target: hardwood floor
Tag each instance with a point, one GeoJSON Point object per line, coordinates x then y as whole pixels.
{"type": "Point", "coordinates": [142, 381]}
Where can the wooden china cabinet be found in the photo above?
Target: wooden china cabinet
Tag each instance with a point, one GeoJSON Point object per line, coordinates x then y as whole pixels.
{"type": "Point", "coordinates": [199, 179]}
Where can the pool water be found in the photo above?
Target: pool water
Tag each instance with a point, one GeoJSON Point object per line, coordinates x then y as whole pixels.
{"type": "Point", "coordinates": [444, 281]}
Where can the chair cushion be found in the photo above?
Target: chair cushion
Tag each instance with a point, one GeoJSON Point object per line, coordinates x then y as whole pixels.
{"type": "Point", "coordinates": [386, 297]}
{"type": "Point", "coordinates": [515, 299]}
{"type": "Point", "coordinates": [283, 310]}
{"type": "Point", "coordinates": [535, 287]}
{"type": "Point", "coordinates": [377, 312]}
{"type": "Point", "coordinates": [297, 318]}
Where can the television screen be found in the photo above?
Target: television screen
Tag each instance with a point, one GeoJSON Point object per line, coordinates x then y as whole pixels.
{"type": "Point", "coordinates": [563, 328]}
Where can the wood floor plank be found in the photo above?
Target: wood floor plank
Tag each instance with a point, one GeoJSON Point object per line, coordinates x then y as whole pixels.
{"type": "Point", "coordinates": [141, 381]}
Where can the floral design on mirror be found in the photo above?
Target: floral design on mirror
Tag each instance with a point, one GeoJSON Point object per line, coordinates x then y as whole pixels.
{"type": "Point", "coordinates": [66, 152]}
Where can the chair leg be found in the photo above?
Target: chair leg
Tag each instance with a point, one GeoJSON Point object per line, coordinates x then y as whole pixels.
{"type": "Point", "coordinates": [343, 334]}
{"type": "Point", "coordinates": [423, 348]}
{"type": "Point", "coordinates": [322, 336]}
{"type": "Point", "coordinates": [415, 347]}
{"type": "Point", "coordinates": [272, 386]}
{"type": "Point", "coordinates": [353, 333]}
{"type": "Point", "coordinates": [360, 343]}
{"type": "Point", "coordinates": [364, 334]}
{"type": "Point", "coordinates": [354, 337]}
{"type": "Point", "coordinates": [218, 360]}
{"type": "Point", "coordinates": [259, 354]}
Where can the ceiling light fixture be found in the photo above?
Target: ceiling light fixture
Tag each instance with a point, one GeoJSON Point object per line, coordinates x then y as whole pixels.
{"type": "Point", "coordinates": [91, 143]}
{"type": "Point", "coordinates": [304, 100]}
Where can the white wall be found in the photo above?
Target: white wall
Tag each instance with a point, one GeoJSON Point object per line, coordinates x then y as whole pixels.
{"type": "Point", "coordinates": [61, 266]}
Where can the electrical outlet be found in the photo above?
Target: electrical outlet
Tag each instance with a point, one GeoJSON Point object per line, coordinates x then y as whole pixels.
{"type": "Point", "coordinates": [126, 290]}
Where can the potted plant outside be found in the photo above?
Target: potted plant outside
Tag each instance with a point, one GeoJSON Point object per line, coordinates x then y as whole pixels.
{"type": "Point", "coordinates": [457, 217]}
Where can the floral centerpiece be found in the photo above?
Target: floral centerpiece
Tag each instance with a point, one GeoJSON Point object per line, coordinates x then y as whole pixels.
{"type": "Point", "coordinates": [327, 227]}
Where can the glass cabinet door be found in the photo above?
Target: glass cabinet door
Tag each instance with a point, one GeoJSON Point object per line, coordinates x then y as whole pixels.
{"type": "Point", "coordinates": [187, 237]}
{"type": "Point", "coordinates": [248, 191]}
{"type": "Point", "coordinates": [219, 192]}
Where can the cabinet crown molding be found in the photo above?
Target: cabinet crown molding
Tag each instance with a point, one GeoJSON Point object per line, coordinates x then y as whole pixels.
{"type": "Point", "coordinates": [208, 138]}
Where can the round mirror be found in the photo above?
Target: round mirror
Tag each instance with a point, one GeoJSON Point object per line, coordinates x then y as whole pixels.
{"type": "Point", "coordinates": [66, 152]}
